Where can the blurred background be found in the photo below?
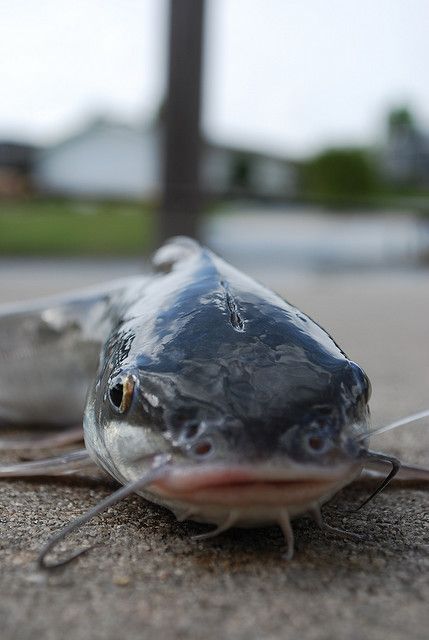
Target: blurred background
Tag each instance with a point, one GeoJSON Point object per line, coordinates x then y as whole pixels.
{"type": "Point", "coordinates": [291, 134]}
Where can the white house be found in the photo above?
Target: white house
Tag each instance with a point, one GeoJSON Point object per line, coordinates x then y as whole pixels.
{"type": "Point", "coordinates": [108, 159]}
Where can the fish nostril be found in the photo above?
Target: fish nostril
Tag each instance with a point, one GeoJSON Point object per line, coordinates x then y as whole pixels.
{"type": "Point", "coordinates": [191, 431]}
{"type": "Point", "coordinates": [324, 411]}
{"type": "Point", "coordinates": [203, 448]}
{"type": "Point", "coordinates": [316, 443]}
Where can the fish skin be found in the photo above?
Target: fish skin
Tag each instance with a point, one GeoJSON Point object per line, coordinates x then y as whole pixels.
{"type": "Point", "coordinates": [225, 372]}
{"type": "Point", "coordinates": [224, 375]}
{"type": "Point", "coordinates": [49, 353]}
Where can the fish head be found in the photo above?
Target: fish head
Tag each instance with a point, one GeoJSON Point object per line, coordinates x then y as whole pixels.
{"type": "Point", "coordinates": [235, 385]}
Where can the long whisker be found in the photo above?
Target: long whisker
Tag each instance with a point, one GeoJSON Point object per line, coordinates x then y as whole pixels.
{"type": "Point", "coordinates": [43, 440]}
{"type": "Point", "coordinates": [396, 465]}
{"type": "Point", "coordinates": [317, 516]}
{"type": "Point", "coordinates": [227, 524]}
{"type": "Point", "coordinates": [286, 527]}
{"type": "Point", "coordinates": [414, 417]}
{"type": "Point", "coordinates": [67, 463]}
{"type": "Point", "coordinates": [160, 470]}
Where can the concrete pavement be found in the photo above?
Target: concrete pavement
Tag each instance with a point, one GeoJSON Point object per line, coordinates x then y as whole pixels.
{"type": "Point", "coordinates": [147, 579]}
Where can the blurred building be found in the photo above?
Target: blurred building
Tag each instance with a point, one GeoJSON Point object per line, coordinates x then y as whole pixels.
{"type": "Point", "coordinates": [231, 171]}
{"type": "Point", "coordinates": [106, 159]}
{"type": "Point", "coordinates": [109, 159]}
{"type": "Point", "coordinates": [406, 154]}
{"type": "Point", "coordinates": [16, 167]}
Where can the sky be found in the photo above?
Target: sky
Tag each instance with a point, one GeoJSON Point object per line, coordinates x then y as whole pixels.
{"type": "Point", "coordinates": [288, 76]}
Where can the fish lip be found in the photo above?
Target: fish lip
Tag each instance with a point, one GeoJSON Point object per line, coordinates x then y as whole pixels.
{"type": "Point", "coordinates": [245, 484]}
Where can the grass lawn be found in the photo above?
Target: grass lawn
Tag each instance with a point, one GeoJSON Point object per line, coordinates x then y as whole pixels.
{"type": "Point", "coordinates": [64, 227]}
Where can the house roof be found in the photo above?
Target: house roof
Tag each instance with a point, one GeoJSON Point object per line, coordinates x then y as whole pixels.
{"type": "Point", "coordinates": [101, 123]}
{"type": "Point", "coordinates": [94, 125]}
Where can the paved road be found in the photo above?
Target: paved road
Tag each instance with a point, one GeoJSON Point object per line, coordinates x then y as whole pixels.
{"type": "Point", "coordinates": [147, 579]}
{"type": "Point", "coordinates": [310, 237]}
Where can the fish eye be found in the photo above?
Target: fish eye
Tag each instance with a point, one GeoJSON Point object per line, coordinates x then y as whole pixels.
{"type": "Point", "coordinates": [121, 390]}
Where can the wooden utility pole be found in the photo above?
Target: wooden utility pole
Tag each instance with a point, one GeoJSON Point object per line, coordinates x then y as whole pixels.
{"type": "Point", "coordinates": [181, 196]}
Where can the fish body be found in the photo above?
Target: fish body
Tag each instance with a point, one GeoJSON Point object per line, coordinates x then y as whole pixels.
{"type": "Point", "coordinates": [258, 410]}
{"type": "Point", "coordinates": [49, 353]}
{"type": "Point", "coordinates": [256, 405]}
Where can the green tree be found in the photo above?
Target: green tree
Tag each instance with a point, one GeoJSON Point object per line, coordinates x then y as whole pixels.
{"type": "Point", "coordinates": [401, 118]}
{"type": "Point", "coordinates": [241, 171]}
{"type": "Point", "coordinates": [340, 173]}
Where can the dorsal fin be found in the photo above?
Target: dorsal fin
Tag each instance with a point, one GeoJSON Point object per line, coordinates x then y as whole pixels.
{"type": "Point", "coordinates": [173, 252]}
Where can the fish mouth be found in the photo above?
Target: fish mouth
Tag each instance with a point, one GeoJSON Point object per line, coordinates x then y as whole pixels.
{"type": "Point", "coordinates": [243, 486]}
